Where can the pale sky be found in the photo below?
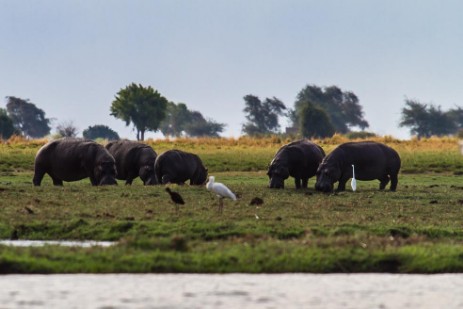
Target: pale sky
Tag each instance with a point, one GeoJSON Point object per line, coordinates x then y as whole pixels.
{"type": "Point", "coordinates": [71, 57]}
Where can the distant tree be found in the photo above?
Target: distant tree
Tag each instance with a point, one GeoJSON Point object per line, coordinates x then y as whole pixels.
{"type": "Point", "coordinates": [343, 108]}
{"type": "Point", "coordinates": [100, 131]}
{"type": "Point", "coordinates": [314, 122]}
{"type": "Point", "coordinates": [6, 125]}
{"type": "Point", "coordinates": [457, 116]}
{"type": "Point", "coordinates": [144, 107]}
{"type": "Point", "coordinates": [426, 120]}
{"type": "Point", "coordinates": [67, 129]}
{"type": "Point", "coordinates": [27, 118]}
{"type": "Point", "coordinates": [182, 121]}
{"type": "Point", "coordinates": [199, 126]}
{"type": "Point", "coordinates": [262, 117]}
{"type": "Point", "coordinates": [293, 118]}
{"type": "Point", "coordinates": [177, 117]}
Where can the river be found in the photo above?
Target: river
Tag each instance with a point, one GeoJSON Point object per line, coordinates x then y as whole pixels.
{"type": "Point", "coordinates": [232, 291]}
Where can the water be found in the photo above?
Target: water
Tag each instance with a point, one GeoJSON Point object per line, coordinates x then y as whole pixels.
{"type": "Point", "coordinates": [231, 291]}
{"type": "Point", "coordinates": [66, 243]}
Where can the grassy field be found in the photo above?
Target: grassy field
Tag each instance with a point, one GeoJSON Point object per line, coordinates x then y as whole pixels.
{"type": "Point", "coordinates": [417, 229]}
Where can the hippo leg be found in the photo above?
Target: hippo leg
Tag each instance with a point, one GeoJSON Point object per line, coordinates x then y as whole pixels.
{"type": "Point", "coordinates": [93, 181]}
{"type": "Point", "coordinates": [305, 182]}
{"type": "Point", "coordinates": [383, 182]}
{"type": "Point", "coordinates": [128, 182]}
{"type": "Point", "coordinates": [56, 181]}
{"type": "Point", "coordinates": [38, 176]}
{"type": "Point", "coordinates": [342, 185]}
{"type": "Point", "coordinates": [394, 181]}
{"type": "Point", "coordinates": [297, 181]}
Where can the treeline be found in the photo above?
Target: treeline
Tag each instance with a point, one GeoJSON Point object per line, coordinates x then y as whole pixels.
{"type": "Point", "coordinates": [318, 112]}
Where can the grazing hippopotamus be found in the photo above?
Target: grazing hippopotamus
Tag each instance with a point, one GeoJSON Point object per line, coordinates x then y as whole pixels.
{"type": "Point", "coordinates": [176, 166]}
{"type": "Point", "coordinates": [371, 161]}
{"type": "Point", "coordinates": [71, 159]}
{"type": "Point", "coordinates": [299, 159]}
{"type": "Point", "coordinates": [133, 159]}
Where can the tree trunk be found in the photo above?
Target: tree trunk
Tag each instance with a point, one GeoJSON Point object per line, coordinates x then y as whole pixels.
{"type": "Point", "coordinates": [138, 135]}
{"type": "Point", "coordinates": [142, 135]}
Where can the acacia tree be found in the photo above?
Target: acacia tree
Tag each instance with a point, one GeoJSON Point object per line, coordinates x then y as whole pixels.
{"type": "Point", "coordinates": [144, 107]}
{"type": "Point", "coordinates": [27, 118]}
{"type": "Point", "coordinates": [262, 116]}
{"type": "Point", "coordinates": [100, 131]}
{"type": "Point", "coordinates": [343, 108]}
{"type": "Point", "coordinates": [6, 125]}
{"type": "Point", "coordinates": [67, 129]}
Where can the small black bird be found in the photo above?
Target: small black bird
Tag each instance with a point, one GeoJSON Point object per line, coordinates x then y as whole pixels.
{"type": "Point", "coordinates": [256, 201]}
{"type": "Point", "coordinates": [176, 198]}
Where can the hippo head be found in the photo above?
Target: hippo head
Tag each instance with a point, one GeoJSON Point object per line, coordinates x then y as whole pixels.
{"type": "Point", "coordinates": [200, 177]}
{"type": "Point", "coordinates": [327, 175]}
{"type": "Point", "coordinates": [105, 173]}
{"type": "Point", "coordinates": [147, 175]}
{"type": "Point", "coordinates": [277, 175]}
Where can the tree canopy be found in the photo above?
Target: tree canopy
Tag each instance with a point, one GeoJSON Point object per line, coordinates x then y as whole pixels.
{"type": "Point", "coordinates": [177, 116]}
{"type": "Point", "coordinates": [342, 108]}
{"type": "Point", "coordinates": [27, 118]}
{"type": "Point", "coordinates": [182, 121]}
{"type": "Point", "coordinates": [144, 107]}
{"type": "Point", "coordinates": [262, 117]}
{"type": "Point", "coordinates": [100, 131]}
{"type": "Point", "coordinates": [425, 120]}
{"type": "Point", "coordinates": [6, 125]}
{"type": "Point", "coordinates": [314, 122]}
{"type": "Point", "coordinates": [199, 126]}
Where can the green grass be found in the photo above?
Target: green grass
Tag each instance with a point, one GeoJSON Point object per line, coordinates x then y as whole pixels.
{"type": "Point", "coordinates": [417, 229]}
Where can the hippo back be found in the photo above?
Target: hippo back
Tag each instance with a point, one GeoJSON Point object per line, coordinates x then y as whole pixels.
{"type": "Point", "coordinates": [177, 166]}
{"type": "Point", "coordinates": [299, 155]}
{"type": "Point", "coordinates": [131, 157]}
{"type": "Point", "coordinates": [299, 159]}
{"type": "Point", "coordinates": [71, 159]}
{"type": "Point", "coordinates": [370, 160]}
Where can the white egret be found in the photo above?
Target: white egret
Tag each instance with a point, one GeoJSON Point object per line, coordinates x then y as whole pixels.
{"type": "Point", "coordinates": [221, 190]}
{"type": "Point", "coordinates": [353, 182]}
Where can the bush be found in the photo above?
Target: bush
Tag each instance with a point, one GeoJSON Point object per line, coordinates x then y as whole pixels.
{"type": "Point", "coordinates": [100, 131]}
{"type": "Point", "coordinates": [360, 135]}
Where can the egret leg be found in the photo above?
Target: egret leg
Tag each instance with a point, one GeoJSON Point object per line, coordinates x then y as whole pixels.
{"type": "Point", "coordinates": [221, 205]}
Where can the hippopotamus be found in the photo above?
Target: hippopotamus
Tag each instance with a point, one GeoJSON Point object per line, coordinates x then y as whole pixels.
{"type": "Point", "coordinates": [71, 159]}
{"type": "Point", "coordinates": [133, 159]}
{"type": "Point", "coordinates": [176, 166]}
{"type": "Point", "coordinates": [299, 159]}
{"type": "Point", "coordinates": [371, 161]}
